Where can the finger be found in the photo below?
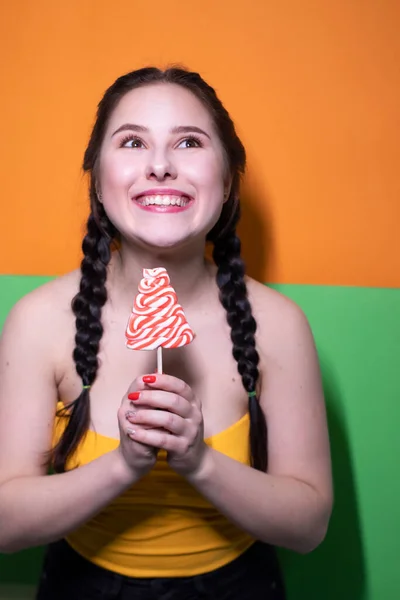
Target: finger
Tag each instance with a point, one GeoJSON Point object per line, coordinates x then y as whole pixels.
{"type": "Point", "coordinates": [138, 384]}
{"type": "Point", "coordinates": [133, 434]}
{"type": "Point", "coordinates": [157, 419]}
{"type": "Point", "coordinates": [168, 383]}
{"type": "Point", "coordinates": [130, 430]}
{"type": "Point", "coordinates": [160, 439]}
{"type": "Point", "coordinates": [124, 422]}
{"type": "Point", "coordinates": [160, 399]}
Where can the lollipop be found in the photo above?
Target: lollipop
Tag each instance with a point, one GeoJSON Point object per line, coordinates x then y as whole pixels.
{"type": "Point", "coordinates": [157, 320]}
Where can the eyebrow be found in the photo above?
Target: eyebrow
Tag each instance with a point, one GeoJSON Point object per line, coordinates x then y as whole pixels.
{"type": "Point", "coordinates": [178, 129]}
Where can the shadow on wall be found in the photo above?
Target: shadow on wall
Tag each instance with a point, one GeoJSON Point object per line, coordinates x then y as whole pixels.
{"type": "Point", "coordinates": [256, 236]}
{"type": "Point", "coordinates": [336, 569]}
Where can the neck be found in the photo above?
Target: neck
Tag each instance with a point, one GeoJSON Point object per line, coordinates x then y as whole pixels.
{"type": "Point", "coordinates": [188, 270]}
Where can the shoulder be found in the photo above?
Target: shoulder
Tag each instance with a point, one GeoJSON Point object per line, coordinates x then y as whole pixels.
{"type": "Point", "coordinates": [42, 309]}
{"type": "Point", "coordinates": [35, 335]}
{"type": "Point", "coordinates": [281, 323]}
{"type": "Point", "coordinates": [271, 306]}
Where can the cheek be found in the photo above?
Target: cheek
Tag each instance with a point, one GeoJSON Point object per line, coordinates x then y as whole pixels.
{"type": "Point", "coordinates": [208, 174]}
{"type": "Point", "coordinates": [119, 172]}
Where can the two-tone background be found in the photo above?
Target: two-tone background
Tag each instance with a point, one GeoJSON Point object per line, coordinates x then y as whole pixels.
{"type": "Point", "coordinates": [314, 88]}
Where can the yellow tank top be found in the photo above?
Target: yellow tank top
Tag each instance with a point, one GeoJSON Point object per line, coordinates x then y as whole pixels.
{"type": "Point", "coordinates": [161, 526]}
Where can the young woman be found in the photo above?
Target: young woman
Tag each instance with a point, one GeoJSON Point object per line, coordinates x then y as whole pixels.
{"type": "Point", "coordinates": [174, 485]}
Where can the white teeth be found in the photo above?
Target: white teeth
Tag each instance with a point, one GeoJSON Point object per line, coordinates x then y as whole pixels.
{"type": "Point", "coordinates": [163, 200]}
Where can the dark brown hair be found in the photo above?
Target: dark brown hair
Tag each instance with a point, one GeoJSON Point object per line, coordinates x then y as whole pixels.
{"type": "Point", "coordinates": [97, 247]}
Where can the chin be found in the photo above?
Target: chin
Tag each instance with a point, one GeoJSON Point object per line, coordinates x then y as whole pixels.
{"type": "Point", "coordinates": [162, 243]}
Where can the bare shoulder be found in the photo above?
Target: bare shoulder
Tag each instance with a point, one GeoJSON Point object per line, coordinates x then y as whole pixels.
{"type": "Point", "coordinates": [32, 343]}
{"type": "Point", "coordinates": [264, 297]}
{"type": "Point", "coordinates": [280, 320]}
{"type": "Point", "coordinates": [286, 346]}
{"type": "Point", "coordinates": [37, 322]}
{"type": "Point", "coordinates": [46, 304]}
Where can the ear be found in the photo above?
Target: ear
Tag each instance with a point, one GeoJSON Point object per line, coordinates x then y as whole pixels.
{"type": "Point", "coordinates": [98, 194]}
{"type": "Point", "coordinates": [227, 187]}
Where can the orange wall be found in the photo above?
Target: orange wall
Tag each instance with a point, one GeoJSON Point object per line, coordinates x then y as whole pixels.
{"type": "Point", "coordinates": [314, 87]}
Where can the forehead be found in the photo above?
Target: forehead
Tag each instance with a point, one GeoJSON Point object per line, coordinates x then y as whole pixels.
{"type": "Point", "coordinates": [161, 104]}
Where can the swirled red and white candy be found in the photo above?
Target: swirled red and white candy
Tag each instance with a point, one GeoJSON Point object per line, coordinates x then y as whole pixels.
{"type": "Point", "coordinates": [157, 319]}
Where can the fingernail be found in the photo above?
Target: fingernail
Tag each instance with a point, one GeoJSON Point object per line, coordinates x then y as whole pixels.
{"type": "Point", "coordinates": [130, 413]}
{"type": "Point", "coordinates": [149, 379]}
{"type": "Point", "coordinates": [130, 431]}
{"type": "Point", "coordinates": [134, 396]}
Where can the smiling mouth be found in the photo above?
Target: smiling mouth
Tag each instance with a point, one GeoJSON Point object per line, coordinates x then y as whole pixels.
{"type": "Point", "coordinates": [163, 200]}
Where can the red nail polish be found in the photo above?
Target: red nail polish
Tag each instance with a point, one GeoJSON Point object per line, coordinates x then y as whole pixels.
{"type": "Point", "coordinates": [149, 379]}
{"type": "Point", "coordinates": [134, 396]}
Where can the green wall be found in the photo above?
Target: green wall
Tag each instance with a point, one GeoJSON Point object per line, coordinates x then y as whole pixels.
{"type": "Point", "coordinates": [357, 331]}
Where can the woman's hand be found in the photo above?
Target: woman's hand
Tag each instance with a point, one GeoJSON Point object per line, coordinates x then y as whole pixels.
{"type": "Point", "coordinates": [138, 457]}
{"type": "Point", "coordinates": [168, 415]}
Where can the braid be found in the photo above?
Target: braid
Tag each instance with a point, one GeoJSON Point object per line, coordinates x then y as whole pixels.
{"type": "Point", "coordinates": [233, 296]}
{"type": "Point", "coordinates": [87, 306]}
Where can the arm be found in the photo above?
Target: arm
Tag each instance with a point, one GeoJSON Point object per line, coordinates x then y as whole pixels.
{"type": "Point", "coordinates": [290, 505]}
{"type": "Point", "coordinates": [38, 510]}
{"type": "Point", "coordinates": [35, 508]}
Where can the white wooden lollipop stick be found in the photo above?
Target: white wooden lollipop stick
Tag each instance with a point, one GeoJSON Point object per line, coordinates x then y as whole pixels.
{"type": "Point", "coordinates": [159, 359]}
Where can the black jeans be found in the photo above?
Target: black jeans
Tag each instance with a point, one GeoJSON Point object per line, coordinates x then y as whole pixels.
{"type": "Point", "coordinates": [255, 575]}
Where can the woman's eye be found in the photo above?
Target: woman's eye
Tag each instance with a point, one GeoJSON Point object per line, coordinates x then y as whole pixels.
{"type": "Point", "coordinates": [132, 142]}
{"type": "Point", "coordinates": [190, 142]}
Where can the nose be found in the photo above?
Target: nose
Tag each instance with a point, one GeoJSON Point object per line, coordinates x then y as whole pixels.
{"type": "Point", "coordinates": [160, 167]}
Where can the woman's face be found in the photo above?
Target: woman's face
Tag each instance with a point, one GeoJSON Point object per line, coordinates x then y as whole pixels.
{"type": "Point", "coordinates": [162, 173]}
